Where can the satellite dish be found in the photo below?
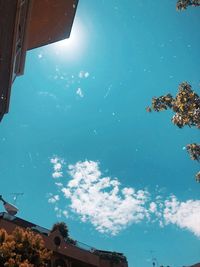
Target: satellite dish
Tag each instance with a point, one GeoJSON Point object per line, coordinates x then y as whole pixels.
{"type": "Point", "coordinates": [11, 209]}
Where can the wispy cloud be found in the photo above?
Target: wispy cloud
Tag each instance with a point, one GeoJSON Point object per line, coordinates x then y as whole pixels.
{"type": "Point", "coordinates": [101, 200]}
{"type": "Point", "coordinates": [57, 167]}
{"type": "Point", "coordinates": [53, 198]}
{"type": "Point", "coordinates": [109, 207]}
{"type": "Point", "coordinates": [185, 215]}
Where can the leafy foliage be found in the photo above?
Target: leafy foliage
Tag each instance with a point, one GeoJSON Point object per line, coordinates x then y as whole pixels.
{"type": "Point", "coordinates": [22, 248]}
{"type": "Point", "coordinates": [194, 151]}
{"type": "Point", "coordinates": [186, 106]}
{"type": "Point", "coordinates": [63, 229]}
{"type": "Point", "coordinates": [114, 257]}
{"type": "Point", "coordinates": [198, 177]}
{"type": "Point", "coordinates": [183, 4]}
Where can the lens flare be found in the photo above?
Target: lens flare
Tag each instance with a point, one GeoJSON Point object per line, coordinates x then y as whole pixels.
{"type": "Point", "coordinates": [74, 46]}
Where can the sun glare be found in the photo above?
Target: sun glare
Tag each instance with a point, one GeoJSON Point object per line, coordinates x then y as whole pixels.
{"type": "Point", "coordinates": [74, 46]}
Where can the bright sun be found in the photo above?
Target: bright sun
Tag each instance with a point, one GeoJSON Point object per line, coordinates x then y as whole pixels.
{"type": "Point", "coordinates": [72, 47]}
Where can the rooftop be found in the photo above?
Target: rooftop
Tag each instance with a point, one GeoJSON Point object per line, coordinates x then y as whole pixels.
{"type": "Point", "coordinates": [103, 254]}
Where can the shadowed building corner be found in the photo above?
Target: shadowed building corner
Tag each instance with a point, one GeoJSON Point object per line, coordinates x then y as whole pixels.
{"type": "Point", "coordinates": [24, 25]}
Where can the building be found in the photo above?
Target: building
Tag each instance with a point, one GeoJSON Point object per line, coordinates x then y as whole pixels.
{"type": "Point", "coordinates": [24, 25]}
{"type": "Point", "coordinates": [64, 253]}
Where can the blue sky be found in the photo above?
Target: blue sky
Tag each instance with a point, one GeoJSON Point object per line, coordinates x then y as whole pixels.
{"type": "Point", "coordinates": [80, 146]}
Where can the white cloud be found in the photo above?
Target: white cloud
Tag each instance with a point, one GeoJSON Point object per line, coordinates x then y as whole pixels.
{"type": "Point", "coordinates": [185, 215]}
{"type": "Point", "coordinates": [153, 207]}
{"type": "Point", "coordinates": [57, 167]}
{"type": "Point", "coordinates": [110, 208]}
{"type": "Point", "coordinates": [54, 160]}
{"type": "Point", "coordinates": [57, 174]}
{"type": "Point", "coordinates": [100, 200]}
{"type": "Point", "coordinates": [58, 212]}
{"type": "Point", "coordinates": [53, 199]}
{"type": "Point", "coordinates": [59, 184]}
{"type": "Point", "coordinates": [65, 213]}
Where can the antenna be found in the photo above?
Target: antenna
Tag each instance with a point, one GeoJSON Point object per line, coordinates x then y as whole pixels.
{"type": "Point", "coordinates": [11, 209]}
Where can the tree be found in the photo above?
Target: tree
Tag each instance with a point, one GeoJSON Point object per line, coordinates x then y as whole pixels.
{"type": "Point", "coordinates": [186, 106]}
{"type": "Point", "coordinates": [22, 248]}
{"type": "Point", "coordinates": [183, 4]}
{"type": "Point", "coordinates": [63, 229]}
{"type": "Point", "coordinates": [112, 256]}
{"type": "Point", "coordinates": [198, 177]}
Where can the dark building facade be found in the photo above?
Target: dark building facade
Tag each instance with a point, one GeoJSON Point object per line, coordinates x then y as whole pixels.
{"type": "Point", "coordinates": [24, 25]}
{"type": "Point", "coordinates": [66, 254]}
